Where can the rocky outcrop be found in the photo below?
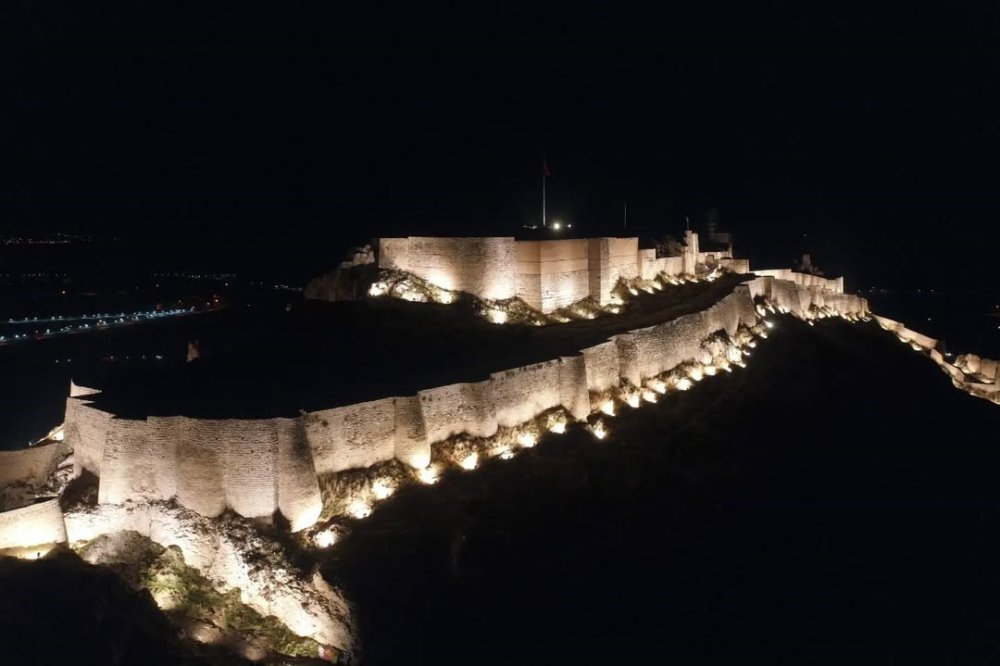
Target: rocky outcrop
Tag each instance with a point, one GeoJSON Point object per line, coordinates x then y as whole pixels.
{"type": "Point", "coordinates": [231, 553]}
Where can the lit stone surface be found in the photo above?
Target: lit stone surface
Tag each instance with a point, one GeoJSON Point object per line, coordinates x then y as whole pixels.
{"type": "Point", "coordinates": [455, 409]}
{"type": "Point", "coordinates": [573, 393]}
{"type": "Point", "coordinates": [299, 497]}
{"type": "Point", "coordinates": [629, 363]}
{"type": "Point", "coordinates": [411, 444]}
{"type": "Point", "coordinates": [230, 555]}
{"type": "Point", "coordinates": [127, 467]}
{"type": "Point", "coordinates": [33, 464]}
{"type": "Point", "coordinates": [200, 457]}
{"type": "Point", "coordinates": [481, 266]}
{"type": "Point", "coordinates": [86, 433]}
{"type": "Point", "coordinates": [36, 525]}
{"type": "Point", "coordinates": [547, 274]}
{"type": "Point", "coordinates": [258, 466]}
{"type": "Point", "coordinates": [919, 338]}
{"type": "Point", "coordinates": [601, 362]}
{"type": "Point", "coordinates": [518, 395]}
{"type": "Point", "coordinates": [353, 436]}
{"type": "Point", "coordinates": [552, 274]}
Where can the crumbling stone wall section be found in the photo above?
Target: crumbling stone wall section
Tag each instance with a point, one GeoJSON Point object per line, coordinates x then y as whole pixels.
{"type": "Point", "coordinates": [573, 394]}
{"type": "Point", "coordinates": [457, 408]}
{"type": "Point", "coordinates": [411, 443]}
{"type": "Point", "coordinates": [86, 429]}
{"type": "Point", "coordinates": [738, 266]}
{"type": "Point", "coordinates": [623, 259]}
{"type": "Point", "coordinates": [201, 484]}
{"type": "Point", "coordinates": [902, 331]}
{"type": "Point", "coordinates": [546, 274]}
{"type": "Point", "coordinates": [798, 299]}
{"type": "Point", "coordinates": [31, 465]}
{"type": "Point", "coordinates": [527, 276]}
{"type": "Point", "coordinates": [628, 357]}
{"type": "Point", "coordinates": [481, 266]}
{"type": "Point", "coordinates": [299, 498]}
{"type": "Point", "coordinates": [601, 364]}
{"type": "Point", "coordinates": [353, 436]}
{"type": "Point", "coordinates": [164, 437]}
{"type": "Point", "coordinates": [553, 274]}
{"type": "Point", "coordinates": [39, 524]}
{"type": "Point", "coordinates": [835, 285]}
{"type": "Point", "coordinates": [128, 468]}
{"type": "Point", "coordinates": [257, 467]}
{"type": "Point", "coordinates": [598, 261]}
{"type": "Point", "coordinates": [250, 466]}
{"type": "Point", "coordinates": [518, 395]}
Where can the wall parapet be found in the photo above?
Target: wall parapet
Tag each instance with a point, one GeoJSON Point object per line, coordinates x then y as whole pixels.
{"type": "Point", "coordinates": [545, 274]}
{"type": "Point", "coordinates": [835, 285]}
{"type": "Point", "coordinates": [31, 465]}
{"type": "Point", "coordinates": [36, 527]}
{"type": "Point", "coordinates": [256, 467]}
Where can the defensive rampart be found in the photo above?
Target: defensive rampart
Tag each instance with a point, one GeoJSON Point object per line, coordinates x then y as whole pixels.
{"type": "Point", "coordinates": [257, 467]}
{"type": "Point", "coordinates": [546, 274]}
{"type": "Point", "coordinates": [36, 527]}
{"type": "Point", "coordinates": [31, 465]}
{"type": "Point", "coordinates": [482, 266]}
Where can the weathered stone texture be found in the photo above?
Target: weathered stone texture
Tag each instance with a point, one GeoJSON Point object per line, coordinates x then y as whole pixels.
{"type": "Point", "coordinates": [256, 467]}
{"type": "Point", "coordinates": [31, 465]}
{"type": "Point", "coordinates": [518, 395]}
{"type": "Point", "coordinates": [40, 524]}
{"type": "Point", "coordinates": [481, 266]}
{"type": "Point", "coordinates": [352, 436]}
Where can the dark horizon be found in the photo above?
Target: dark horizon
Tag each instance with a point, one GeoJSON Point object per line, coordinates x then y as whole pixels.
{"type": "Point", "coordinates": [865, 137]}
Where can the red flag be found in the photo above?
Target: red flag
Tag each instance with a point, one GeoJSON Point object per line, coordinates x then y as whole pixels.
{"type": "Point", "coordinates": [545, 168]}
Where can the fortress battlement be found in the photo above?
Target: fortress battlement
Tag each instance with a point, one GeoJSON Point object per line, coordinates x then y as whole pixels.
{"type": "Point", "coordinates": [256, 467]}
{"type": "Point", "coordinates": [160, 473]}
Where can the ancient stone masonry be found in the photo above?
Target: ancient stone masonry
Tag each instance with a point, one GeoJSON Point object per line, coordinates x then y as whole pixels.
{"type": "Point", "coordinates": [31, 465]}
{"type": "Point", "coordinates": [971, 373]}
{"type": "Point", "coordinates": [171, 478]}
{"type": "Point", "coordinates": [481, 266]}
{"type": "Point", "coordinates": [38, 526]}
{"type": "Point", "coordinates": [548, 274]}
{"type": "Point", "coordinates": [257, 467]}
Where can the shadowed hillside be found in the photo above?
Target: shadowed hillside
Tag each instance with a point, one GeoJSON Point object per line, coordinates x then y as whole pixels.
{"type": "Point", "coordinates": [834, 503]}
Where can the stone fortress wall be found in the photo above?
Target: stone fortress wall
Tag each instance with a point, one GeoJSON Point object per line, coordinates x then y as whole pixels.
{"type": "Point", "coordinates": [31, 465]}
{"type": "Point", "coordinates": [37, 526]}
{"type": "Point", "coordinates": [546, 274]}
{"type": "Point", "coordinates": [481, 266]}
{"type": "Point", "coordinates": [258, 467]}
{"type": "Point", "coordinates": [159, 476]}
{"type": "Point", "coordinates": [972, 373]}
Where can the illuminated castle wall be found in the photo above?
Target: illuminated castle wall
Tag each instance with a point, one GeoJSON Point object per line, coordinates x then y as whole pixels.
{"type": "Point", "coordinates": [257, 467]}
{"type": "Point", "coordinates": [546, 274]}
{"type": "Point", "coordinates": [31, 465]}
{"type": "Point", "coordinates": [35, 527]}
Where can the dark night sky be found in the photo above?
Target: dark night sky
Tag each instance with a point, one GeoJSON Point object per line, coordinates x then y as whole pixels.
{"type": "Point", "coordinates": [348, 120]}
